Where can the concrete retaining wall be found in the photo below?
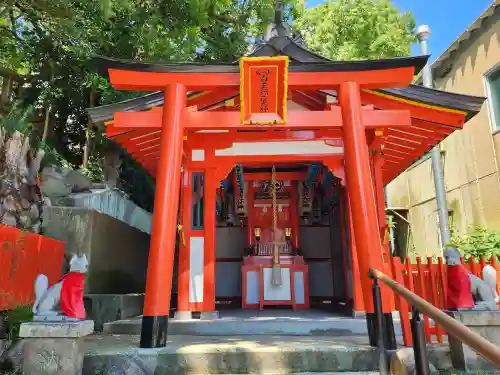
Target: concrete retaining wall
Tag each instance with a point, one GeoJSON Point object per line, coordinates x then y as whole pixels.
{"type": "Point", "coordinates": [113, 203]}
{"type": "Point", "coordinates": [117, 252]}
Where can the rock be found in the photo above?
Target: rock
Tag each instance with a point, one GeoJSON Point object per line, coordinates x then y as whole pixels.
{"type": "Point", "coordinates": [12, 355]}
{"type": "Point", "coordinates": [128, 364]}
{"type": "Point", "coordinates": [34, 212]}
{"type": "Point", "coordinates": [24, 219]}
{"type": "Point", "coordinates": [78, 182]}
{"type": "Point", "coordinates": [47, 202]}
{"type": "Point", "coordinates": [25, 204]}
{"type": "Point", "coordinates": [9, 219]}
{"type": "Point", "coordinates": [403, 363]}
{"type": "Point", "coordinates": [28, 192]}
{"type": "Point", "coordinates": [9, 203]}
{"type": "Point", "coordinates": [53, 182]}
{"type": "Point", "coordinates": [2, 326]}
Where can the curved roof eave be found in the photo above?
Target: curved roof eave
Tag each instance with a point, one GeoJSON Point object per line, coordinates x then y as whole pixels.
{"type": "Point", "coordinates": [418, 62]}
{"type": "Point", "coordinates": [301, 60]}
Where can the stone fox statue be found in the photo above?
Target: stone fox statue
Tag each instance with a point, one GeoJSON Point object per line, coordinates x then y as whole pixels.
{"type": "Point", "coordinates": [66, 294]}
{"type": "Point", "coordinates": [467, 291]}
{"type": "Point", "coordinates": [490, 279]}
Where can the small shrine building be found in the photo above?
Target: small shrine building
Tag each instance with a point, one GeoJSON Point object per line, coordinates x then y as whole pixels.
{"type": "Point", "coordinates": [271, 170]}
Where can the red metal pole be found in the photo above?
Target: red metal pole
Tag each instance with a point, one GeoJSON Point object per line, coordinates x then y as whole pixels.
{"type": "Point", "coordinates": [162, 247]}
{"type": "Point", "coordinates": [360, 188]}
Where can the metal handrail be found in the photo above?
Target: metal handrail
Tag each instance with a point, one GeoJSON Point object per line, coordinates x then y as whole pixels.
{"type": "Point", "coordinates": [454, 328]}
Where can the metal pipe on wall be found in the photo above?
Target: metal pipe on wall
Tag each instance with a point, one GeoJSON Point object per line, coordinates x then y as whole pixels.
{"type": "Point", "coordinates": [423, 33]}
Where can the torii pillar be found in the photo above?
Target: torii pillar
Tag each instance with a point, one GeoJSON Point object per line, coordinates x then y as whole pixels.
{"type": "Point", "coordinates": [162, 247]}
{"type": "Point", "coordinates": [360, 187]}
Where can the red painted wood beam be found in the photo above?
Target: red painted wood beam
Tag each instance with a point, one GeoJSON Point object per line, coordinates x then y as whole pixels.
{"type": "Point", "coordinates": [437, 128]}
{"type": "Point", "coordinates": [307, 101]}
{"type": "Point", "coordinates": [153, 81]}
{"type": "Point", "coordinates": [393, 145]}
{"type": "Point", "coordinates": [408, 154]}
{"type": "Point", "coordinates": [201, 140]}
{"type": "Point", "coordinates": [415, 135]}
{"type": "Point", "coordinates": [207, 99]}
{"type": "Point", "coordinates": [292, 176]}
{"type": "Point", "coordinates": [231, 119]}
{"type": "Point", "coordinates": [136, 150]}
{"type": "Point", "coordinates": [409, 143]}
{"type": "Point", "coordinates": [144, 141]}
{"type": "Point", "coordinates": [267, 159]}
{"type": "Point", "coordinates": [418, 110]}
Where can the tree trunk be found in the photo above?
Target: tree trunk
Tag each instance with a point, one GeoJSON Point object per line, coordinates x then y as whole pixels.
{"type": "Point", "coordinates": [86, 148]}
{"type": "Point", "coordinates": [20, 197]}
{"type": "Point", "coordinates": [47, 113]}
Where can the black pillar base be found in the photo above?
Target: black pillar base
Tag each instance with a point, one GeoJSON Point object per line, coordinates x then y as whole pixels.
{"type": "Point", "coordinates": [154, 332]}
{"type": "Point", "coordinates": [388, 334]}
{"type": "Point", "coordinates": [371, 323]}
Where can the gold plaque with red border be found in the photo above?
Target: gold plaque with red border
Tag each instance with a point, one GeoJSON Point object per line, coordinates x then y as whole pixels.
{"type": "Point", "coordinates": [263, 89]}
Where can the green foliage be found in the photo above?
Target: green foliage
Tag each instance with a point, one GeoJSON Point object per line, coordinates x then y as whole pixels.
{"type": "Point", "coordinates": [52, 42]}
{"type": "Point", "coordinates": [357, 29]}
{"type": "Point", "coordinates": [477, 242]}
{"type": "Point", "coordinates": [17, 119]}
{"type": "Point", "coordinates": [14, 318]}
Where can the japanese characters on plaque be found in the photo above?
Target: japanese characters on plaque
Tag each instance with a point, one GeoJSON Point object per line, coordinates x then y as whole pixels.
{"type": "Point", "coordinates": [263, 89]}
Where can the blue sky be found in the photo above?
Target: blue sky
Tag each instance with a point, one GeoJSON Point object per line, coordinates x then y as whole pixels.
{"type": "Point", "coordinates": [448, 19]}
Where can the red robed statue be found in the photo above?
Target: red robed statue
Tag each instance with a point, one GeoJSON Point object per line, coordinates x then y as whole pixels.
{"type": "Point", "coordinates": [459, 294]}
{"type": "Point", "coordinates": [459, 291]}
{"type": "Point", "coordinates": [68, 293]}
{"type": "Point", "coordinates": [72, 295]}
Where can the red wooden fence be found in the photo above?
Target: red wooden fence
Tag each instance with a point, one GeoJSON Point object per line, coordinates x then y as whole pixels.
{"type": "Point", "coordinates": [23, 256]}
{"type": "Point", "coordinates": [428, 280]}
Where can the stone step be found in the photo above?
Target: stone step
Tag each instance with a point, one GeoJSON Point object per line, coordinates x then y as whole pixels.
{"type": "Point", "coordinates": [320, 373]}
{"type": "Point", "coordinates": [330, 326]}
{"type": "Point", "coordinates": [197, 355]}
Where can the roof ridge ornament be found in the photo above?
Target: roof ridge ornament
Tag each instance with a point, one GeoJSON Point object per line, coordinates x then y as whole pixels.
{"type": "Point", "coordinates": [280, 28]}
{"type": "Point", "coordinates": [278, 12]}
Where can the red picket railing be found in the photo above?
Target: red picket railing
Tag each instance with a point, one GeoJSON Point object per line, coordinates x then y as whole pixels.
{"type": "Point", "coordinates": [428, 280]}
{"type": "Point", "coordinates": [23, 256]}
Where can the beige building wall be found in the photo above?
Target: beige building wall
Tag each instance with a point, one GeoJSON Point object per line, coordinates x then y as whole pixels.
{"type": "Point", "coordinates": [471, 157]}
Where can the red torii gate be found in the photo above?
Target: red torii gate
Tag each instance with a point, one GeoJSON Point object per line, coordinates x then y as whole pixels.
{"type": "Point", "coordinates": [381, 135]}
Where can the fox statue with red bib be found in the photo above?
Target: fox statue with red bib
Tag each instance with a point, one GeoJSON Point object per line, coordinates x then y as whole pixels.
{"type": "Point", "coordinates": [67, 294]}
{"type": "Point", "coordinates": [465, 290]}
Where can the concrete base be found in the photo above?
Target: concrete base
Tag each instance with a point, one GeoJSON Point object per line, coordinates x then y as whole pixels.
{"type": "Point", "coordinates": [104, 308]}
{"type": "Point", "coordinates": [256, 322]}
{"type": "Point", "coordinates": [209, 315]}
{"type": "Point", "coordinates": [54, 348]}
{"type": "Point", "coordinates": [362, 315]}
{"type": "Point", "coordinates": [182, 315]}
{"type": "Point", "coordinates": [485, 323]}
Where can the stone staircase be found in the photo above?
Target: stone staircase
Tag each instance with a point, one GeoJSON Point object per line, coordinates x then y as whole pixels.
{"type": "Point", "coordinates": [196, 355]}
{"type": "Point", "coordinates": [243, 342]}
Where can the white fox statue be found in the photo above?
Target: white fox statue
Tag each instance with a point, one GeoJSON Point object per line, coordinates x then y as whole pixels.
{"type": "Point", "coordinates": [490, 278]}
{"type": "Point", "coordinates": [67, 294]}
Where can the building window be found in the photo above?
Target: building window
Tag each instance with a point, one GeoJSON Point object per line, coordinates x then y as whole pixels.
{"type": "Point", "coordinates": [493, 93]}
{"type": "Point", "coordinates": [198, 200]}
